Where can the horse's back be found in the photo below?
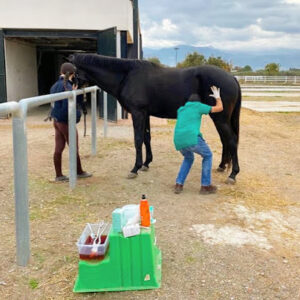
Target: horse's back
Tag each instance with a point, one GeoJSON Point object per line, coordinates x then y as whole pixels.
{"type": "Point", "coordinates": [161, 91]}
{"type": "Point", "coordinates": [211, 75]}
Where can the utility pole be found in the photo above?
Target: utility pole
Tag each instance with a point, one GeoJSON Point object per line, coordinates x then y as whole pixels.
{"type": "Point", "coordinates": [176, 48]}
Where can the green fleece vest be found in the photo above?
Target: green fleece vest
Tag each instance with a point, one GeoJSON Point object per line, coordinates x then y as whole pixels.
{"type": "Point", "coordinates": [188, 124]}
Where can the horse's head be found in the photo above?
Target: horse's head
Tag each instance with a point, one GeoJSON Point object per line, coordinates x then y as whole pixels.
{"type": "Point", "coordinates": [103, 71]}
{"type": "Point", "coordinates": [81, 76]}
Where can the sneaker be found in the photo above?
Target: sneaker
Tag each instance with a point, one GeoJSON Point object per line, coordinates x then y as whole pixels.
{"type": "Point", "coordinates": [208, 189]}
{"type": "Point", "coordinates": [84, 175]}
{"type": "Point", "coordinates": [178, 188]}
{"type": "Point", "coordinates": [61, 178]}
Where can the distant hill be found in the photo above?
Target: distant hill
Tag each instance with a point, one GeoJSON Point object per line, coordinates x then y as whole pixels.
{"type": "Point", "coordinates": [257, 60]}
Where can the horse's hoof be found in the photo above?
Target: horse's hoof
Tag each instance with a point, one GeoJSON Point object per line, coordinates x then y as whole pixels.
{"type": "Point", "coordinates": [144, 168]}
{"type": "Point", "coordinates": [230, 180]}
{"type": "Point", "coordinates": [132, 175]}
{"type": "Point", "coordinates": [220, 169]}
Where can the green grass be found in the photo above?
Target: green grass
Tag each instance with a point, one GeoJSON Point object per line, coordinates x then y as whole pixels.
{"type": "Point", "coordinates": [190, 259]}
{"type": "Point", "coordinates": [33, 283]}
{"type": "Point", "coordinates": [68, 199]}
{"type": "Point", "coordinates": [112, 144]}
{"type": "Point", "coordinates": [40, 213]}
{"type": "Point", "coordinates": [171, 122]}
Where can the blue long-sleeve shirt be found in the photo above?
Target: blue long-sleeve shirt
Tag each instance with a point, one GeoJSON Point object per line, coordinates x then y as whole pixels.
{"type": "Point", "coordinates": [60, 110]}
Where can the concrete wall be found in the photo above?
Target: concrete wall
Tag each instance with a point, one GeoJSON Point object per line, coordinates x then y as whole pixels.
{"type": "Point", "coordinates": [58, 14]}
{"type": "Point", "coordinates": [21, 70]}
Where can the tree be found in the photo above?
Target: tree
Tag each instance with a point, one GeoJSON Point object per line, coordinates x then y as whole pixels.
{"type": "Point", "coordinates": [219, 62]}
{"type": "Point", "coordinates": [192, 60]}
{"type": "Point", "coordinates": [155, 60]}
{"type": "Point", "coordinates": [272, 69]}
{"type": "Point", "coordinates": [247, 68]}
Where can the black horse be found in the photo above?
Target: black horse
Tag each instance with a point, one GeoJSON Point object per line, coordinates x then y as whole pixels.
{"type": "Point", "coordinates": [145, 89]}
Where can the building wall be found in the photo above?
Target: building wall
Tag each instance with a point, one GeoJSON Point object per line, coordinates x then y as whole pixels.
{"type": "Point", "coordinates": [21, 70]}
{"type": "Point", "coordinates": [58, 14]}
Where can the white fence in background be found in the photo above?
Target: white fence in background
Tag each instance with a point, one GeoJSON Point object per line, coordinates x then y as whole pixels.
{"type": "Point", "coordinates": [270, 79]}
{"type": "Point", "coordinates": [19, 114]}
{"type": "Point", "coordinates": [270, 91]}
{"type": "Point", "coordinates": [280, 104]}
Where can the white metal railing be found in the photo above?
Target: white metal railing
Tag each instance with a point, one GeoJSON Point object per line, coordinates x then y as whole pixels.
{"type": "Point", "coordinates": [270, 91]}
{"type": "Point", "coordinates": [19, 113]}
{"type": "Point", "coordinates": [259, 79]}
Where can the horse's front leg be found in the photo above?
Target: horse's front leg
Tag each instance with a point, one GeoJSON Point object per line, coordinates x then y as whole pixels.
{"type": "Point", "coordinates": [138, 120]}
{"type": "Point", "coordinates": [147, 142]}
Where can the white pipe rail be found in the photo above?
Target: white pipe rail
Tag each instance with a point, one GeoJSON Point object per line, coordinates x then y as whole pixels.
{"type": "Point", "coordinates": [19, 113]}
{"type": "Point", "coordinates": [262, 94]}
{"type": "Point", "coordinates": [105, 114]}
{"type": "Point", "coordinates": [272, 87]}
{"type": "Point", "coordinates": [9, 108]}
{"type": "Point", "coordinates": [257, 91]}
{"type": "Point", "coordinates": [262, 78]}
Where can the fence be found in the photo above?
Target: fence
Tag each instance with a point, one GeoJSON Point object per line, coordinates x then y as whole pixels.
{"type": "Point", "coordinates": [273, 91]}
{"type": "Point", "coordinates": [19, 113]}
{"type": "Point", "coordinates": [270, 79]}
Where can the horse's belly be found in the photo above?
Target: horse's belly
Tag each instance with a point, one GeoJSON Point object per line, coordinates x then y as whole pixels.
{"type": "Point", "coordinates": [169, 115]}
{"type": "Point", "coordinates": [163, 109]}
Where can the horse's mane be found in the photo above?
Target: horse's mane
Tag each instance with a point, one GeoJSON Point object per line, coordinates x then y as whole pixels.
{"type": "Point", "coordinates": [112, 63]}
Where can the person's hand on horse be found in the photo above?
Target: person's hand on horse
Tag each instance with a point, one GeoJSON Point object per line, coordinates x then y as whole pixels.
{"type": "Point", "coordinates": [216, 92]}
{"type": "Point", "coordinates": [75, 86]}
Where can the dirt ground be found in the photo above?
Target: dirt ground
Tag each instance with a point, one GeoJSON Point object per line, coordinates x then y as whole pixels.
{"type": "Point", "coordinates": [242, 243]}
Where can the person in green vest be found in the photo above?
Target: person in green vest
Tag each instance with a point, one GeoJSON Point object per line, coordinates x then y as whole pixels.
{"type": "Point", "coordinates": [188, 140]}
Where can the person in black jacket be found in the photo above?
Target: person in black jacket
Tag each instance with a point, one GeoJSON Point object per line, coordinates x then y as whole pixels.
{"type": "Point", "coordinates": [60, 116]}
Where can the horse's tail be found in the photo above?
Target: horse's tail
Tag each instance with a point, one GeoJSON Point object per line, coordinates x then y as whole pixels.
{"type": "Point", "coordinates": [235, 117]}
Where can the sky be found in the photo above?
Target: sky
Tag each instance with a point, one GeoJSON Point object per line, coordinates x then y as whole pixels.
{"type": "Point", "coordinates": [244, 25]}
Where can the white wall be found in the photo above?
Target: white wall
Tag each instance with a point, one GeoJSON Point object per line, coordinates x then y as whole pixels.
{"type": "Point", "coordinates": [21, 70]}
{"type": "Point", "coordinates": [59, 14]}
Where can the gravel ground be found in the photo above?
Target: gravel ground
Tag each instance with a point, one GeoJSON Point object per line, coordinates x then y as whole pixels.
{"type": "Point", "coordinates": [242, 243]}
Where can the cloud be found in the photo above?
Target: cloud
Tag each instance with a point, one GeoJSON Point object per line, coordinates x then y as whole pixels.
{"type": "Point", "coordinates": [292, 2]}
{"type": "Point", "coordinates": [160, 34]}
{"type": "Point", "coordinates": [251, 38]}
{"type": "Point", "coordinates": [227, 24]}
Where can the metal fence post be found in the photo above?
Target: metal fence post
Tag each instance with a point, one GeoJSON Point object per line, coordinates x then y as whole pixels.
{"type": "Point", "coordinates": [105, 114]}
{"type": "Point", "coordinates": [72, 140]}
{"type": "Point", "coordinates": [94, 120]}
{"type": "Point", "coordinates": [19, 112]}
{"type": "Point", "coordinates": [21, 189]}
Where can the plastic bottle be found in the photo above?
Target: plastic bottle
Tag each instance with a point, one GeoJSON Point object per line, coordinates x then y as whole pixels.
{"type": "Point", "coordinates": [144, 212]}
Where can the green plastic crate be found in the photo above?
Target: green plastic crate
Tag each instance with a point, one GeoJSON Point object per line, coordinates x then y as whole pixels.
{"type": "Point", "coordinates": [132, 263]}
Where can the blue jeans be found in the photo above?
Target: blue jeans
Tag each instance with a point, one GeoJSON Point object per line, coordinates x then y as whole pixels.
{"type": "Point", "coordinates": [188, 153]}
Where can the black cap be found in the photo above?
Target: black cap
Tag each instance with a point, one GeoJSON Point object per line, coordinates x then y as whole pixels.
{"type": "Point", "coordinates": [194, 98]}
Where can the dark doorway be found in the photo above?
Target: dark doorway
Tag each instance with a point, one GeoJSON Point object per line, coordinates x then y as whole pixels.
{"type": "Point", "coordinates": [49, 63]}
{"type": "Point", "coordinates": [47, 71]}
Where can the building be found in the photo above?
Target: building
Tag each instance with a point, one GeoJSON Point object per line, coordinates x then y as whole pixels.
{"type": "Point", "coordinates": [36, 36]}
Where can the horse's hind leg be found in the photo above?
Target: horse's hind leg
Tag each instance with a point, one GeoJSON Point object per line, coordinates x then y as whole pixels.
{"type": "Point", "coordinates": [147, 142]}
{"type": "Point", "coordinates": [138, 120]}
{"type": "Point", "coordinates": [226, 158]}
{"type": "Point", "coordinates": [229, 140]}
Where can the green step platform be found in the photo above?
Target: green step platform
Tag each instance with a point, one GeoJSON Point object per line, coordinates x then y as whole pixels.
{"type": "Point", "coordinates": [132, 263]}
